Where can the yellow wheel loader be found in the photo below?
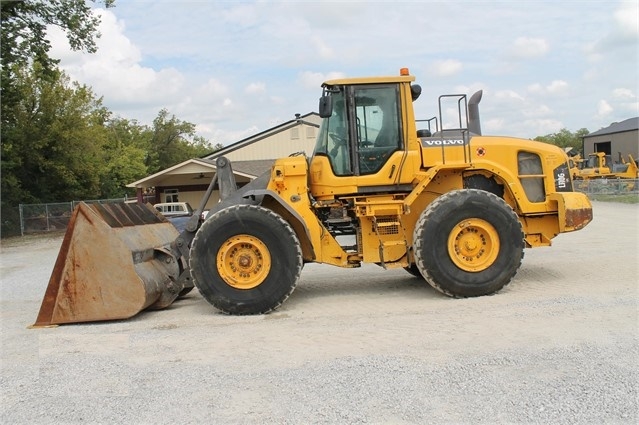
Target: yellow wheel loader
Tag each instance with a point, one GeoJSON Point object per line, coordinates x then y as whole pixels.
{"type": "Point", "coordinates": [447, 204]}
{"type": "Point", "coordinates": [600, 166]}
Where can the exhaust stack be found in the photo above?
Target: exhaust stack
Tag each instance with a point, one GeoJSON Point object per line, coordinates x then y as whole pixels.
{"type": "Point", "coordinates": [474, 125]}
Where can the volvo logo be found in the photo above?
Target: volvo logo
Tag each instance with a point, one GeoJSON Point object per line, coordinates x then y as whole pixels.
{"type": "Point", "coordinates": [443, 142]}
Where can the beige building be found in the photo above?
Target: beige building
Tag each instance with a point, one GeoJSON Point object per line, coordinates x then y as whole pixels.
{"type": "Point", "coordinates": [250, 158]}
{"type": "Point", "coordinates": [618, 140]}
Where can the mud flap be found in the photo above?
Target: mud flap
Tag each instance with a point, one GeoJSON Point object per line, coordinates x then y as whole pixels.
{"type": "Point", "coordinates": [115, 261]}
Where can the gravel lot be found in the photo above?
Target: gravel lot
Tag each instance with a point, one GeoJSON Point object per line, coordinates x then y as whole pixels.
{"type": "Point", "coordinates": [558, 345]}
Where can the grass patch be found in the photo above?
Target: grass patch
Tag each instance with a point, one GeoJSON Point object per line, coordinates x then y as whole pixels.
{"type": "Point", "coordinates": [630, 198]}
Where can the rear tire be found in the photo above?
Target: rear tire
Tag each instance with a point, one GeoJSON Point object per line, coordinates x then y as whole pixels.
{"type": "Point", "coordinates": [245, 259]}
{"type": "Point", "coordinates": [468, 243]}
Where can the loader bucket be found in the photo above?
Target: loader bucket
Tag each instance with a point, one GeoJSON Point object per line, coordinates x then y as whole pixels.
{"type": "Point", "coordinates": [114, 262]}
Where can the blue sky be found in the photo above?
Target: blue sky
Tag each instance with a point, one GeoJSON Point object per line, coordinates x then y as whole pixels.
{"type": "Point", "coordinates": [237, 68]}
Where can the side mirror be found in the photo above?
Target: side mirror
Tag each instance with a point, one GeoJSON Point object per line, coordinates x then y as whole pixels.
{"type": "Point", "coordinates": [415, 91]}
{"type": "Point", "coordinates": [325, 106]}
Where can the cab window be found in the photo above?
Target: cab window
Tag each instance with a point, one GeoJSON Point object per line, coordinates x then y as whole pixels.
{"type": "Point", "coordinates": [377, 123]}
{"type": "Point", "coordinates": [531, 176]}
{"type": "Point", "coordinates": [333, 138]}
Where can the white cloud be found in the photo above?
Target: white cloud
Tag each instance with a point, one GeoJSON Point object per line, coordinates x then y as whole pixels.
{"type": "Point", "coordinates": [541, 127]}
{"type": "Point", "coordinates": [315, 79]}
{"type": "Point", "coordinates": [535, 88]}
{"type": "Point", "coordinates": [529, 48]}
{"type": "Point", "coordinates": [493, 126]}
{"type": "Point", "coordinates": [622, 93]}
{"type": "Point", "coordinates": [631, 108]}
{"type": "Point", "coordinates": [255, 88]}
{"type": "Point", "coordinates": [624, 100]}
{"type": "Point", "coordinates": [450, 117]}
{"type": "Point", "coordinates": [214, 87]}
{"type": "Point", "coordinates": [113, 46]}
{"type": "Point", "coordinates": [447, 68]}
{"type": "Point", "coordinates": [322, 49]}
{"type": "Point", "coordinates": [537, 111]}
{"type": "Point", "coordinates": [603, 109]}
{"type": "Point", "coordinates": [619, 36]}
{"type": "Point", "coordinates": [278, 100]}
{"type": "Point", "coordinates": [555, 87]}
{"type": "Point", "coordinates": [508, 95]}
{"type": "Point", "coordinates": [232, 68]}
{"type": "Point", "coordinates": [627, 18]}
{"type": "Point", "coordinates": [471, 88]}
{"type": "Point", "coordinates": [243, 15]}
{"type": "Point", "coordinates": [115, 71]}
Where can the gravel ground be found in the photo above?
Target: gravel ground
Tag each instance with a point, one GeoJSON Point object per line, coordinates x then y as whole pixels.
{"type": "Point", "coordinates": [558, 345]}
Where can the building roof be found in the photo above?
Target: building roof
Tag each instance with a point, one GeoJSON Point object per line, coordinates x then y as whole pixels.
{"type": "Point", "coordinates": [299, 119]}
{"type": "Point", "coordinates": [144, 182]}
{"type": "Point", "coordinates": [195, 167]}
{"type": "Point", "coordinates": [618, 127]}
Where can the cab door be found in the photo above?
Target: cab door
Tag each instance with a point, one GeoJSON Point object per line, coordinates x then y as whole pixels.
{"type": "Point", "coordinates": [377, 127]}
{"type": "Point", "coordinates": [360, 146]}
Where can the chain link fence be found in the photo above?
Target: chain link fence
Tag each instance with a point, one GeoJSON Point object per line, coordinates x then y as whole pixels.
{"type": "Point", "coordinates": [38, 218]}
{"type": "Point", "coordinates": [607, 186]}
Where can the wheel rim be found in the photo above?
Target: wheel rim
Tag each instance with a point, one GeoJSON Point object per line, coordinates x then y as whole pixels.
{"type": "Point", "coordinates": [243, 261]}
{"type": "Point", "coordinates": [473, 245]}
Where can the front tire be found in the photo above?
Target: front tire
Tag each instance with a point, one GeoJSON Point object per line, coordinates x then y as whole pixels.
{"type": "Point", "coordinates": [468, 243]}
{"type": "Point", "coordinates": [245, 259]}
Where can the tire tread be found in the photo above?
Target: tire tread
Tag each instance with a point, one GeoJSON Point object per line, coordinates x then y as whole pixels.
{"type": "Point", "coordinates": [430, 211]}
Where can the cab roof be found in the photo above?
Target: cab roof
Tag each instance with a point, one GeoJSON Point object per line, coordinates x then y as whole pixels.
{"type": "Point", "coordinates": [369, 80]}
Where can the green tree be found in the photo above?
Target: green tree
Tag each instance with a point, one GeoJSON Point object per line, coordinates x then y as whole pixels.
{"type": "Point", "coordinates": [53, 150]}
{"type": "Point", "coordinates": [124, 156]}
{"type": "Point", "coordinates": [24, 48]}
{"type": "Point", "coordinates": [58, 141]}
{"type": "Point", "coordinates": [564, 138]}
{"type": "Point", "coordinates": [217, 147]}
{"type": "Point", "coordinates": [172, 142]}
{"type": "Point", "coordinates": [23, 37]}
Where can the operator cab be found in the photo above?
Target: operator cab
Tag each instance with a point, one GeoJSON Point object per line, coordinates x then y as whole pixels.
{"type": "Point", "coordinates": [362, 146]}
{"type": "Point", "coordinates": [361, 127]}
